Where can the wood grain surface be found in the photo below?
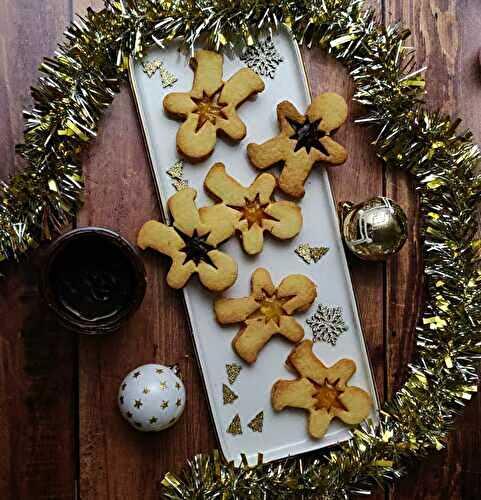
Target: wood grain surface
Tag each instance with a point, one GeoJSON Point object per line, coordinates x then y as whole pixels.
{"type": "Point", "coordinates": [62, 436]}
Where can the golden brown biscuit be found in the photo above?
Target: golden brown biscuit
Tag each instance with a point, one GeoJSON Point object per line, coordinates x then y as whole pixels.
{"type": "Point", "coordinates": [253, 208]}
{"type": "Point", "coordinates": [303, 140]}
{"type": "Point", "coordinates": [211, 105]}
{"type": "Point", "coordinates": [266, 311]}
{"type": "Point", "coordinates": [191, 243]}
{"type": "Point", "coordinates": [322, 391]}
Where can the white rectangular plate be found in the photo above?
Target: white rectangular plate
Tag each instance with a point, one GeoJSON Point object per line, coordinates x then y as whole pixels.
{"type": "Point", "coordinates": [284, 433]}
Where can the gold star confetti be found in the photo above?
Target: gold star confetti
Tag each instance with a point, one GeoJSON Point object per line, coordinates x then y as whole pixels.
{"type": "Point", "coordinates": [310, 254]}
{"type": "Point", "coordinates": [178, 402]}
{"type": "Point", "coordinates": [129, 415]}
{"type": "Point", "coordinates": [164, 405]}
{"type": "Point", "coordinates": [257, 423]}
{"type": "Point", "coordinates": [159, 370]}
{"type": "Point", "coordinates": [153, 420]}
{"type": "Point", "coordinates": [124, 385]}
{"type": "Point", "coordinates": [138, 403]}
{"type": "Point", "coordinates": [146, 390]}
{"type": "Point", "coordinates": [163, 385]}
{"type": "Point", "coordinates": [136, 374]}
{"type": "Point", "coordinates": [235, 427]}
{"type": "Point", "coordinates": [177, 385]}
{"type": "Point", "coordinates": [233, 371]}
{"type": "Point", "coordinates": [228, 394]}
{"type": "Point", "coordinates": [166, 77]}
{"type": "Point", "coordinates": [151, 67]}
{"type": "Point", "coordinates": [121, 399]}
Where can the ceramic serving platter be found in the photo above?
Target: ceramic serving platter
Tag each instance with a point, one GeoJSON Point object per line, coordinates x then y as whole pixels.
{"type": "Point", "coordinates": [284, 433]}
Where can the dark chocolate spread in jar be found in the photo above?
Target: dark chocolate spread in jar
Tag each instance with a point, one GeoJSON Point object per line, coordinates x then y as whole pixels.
{"type": "Point", "coordinates": [93, 280]}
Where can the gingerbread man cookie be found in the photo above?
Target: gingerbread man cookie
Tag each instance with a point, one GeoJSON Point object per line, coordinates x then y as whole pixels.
{"type": "Point", "coordinates": [303, 141]}
{"type": "Point", "coordinates": [211, 105]}
{"type": "Point", "coordinates": [322, 391]}
{"type": "Point", "coordinates": [266, 311]}
{"type": "Point", "coordinates": [192, 244]}
{"type": "Point", "coordinates": [253, 208]}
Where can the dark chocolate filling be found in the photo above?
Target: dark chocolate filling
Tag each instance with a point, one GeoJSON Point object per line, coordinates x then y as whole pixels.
{"type": "Point", "coordinates": [196, 247]}
{"type": "Point", "coordinates": [307, 135]}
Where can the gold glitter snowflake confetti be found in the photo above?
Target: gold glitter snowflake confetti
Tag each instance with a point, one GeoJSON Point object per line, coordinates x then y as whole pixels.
{"type": "Point", "coordinates": [232, 371]}
{"type": "Point", "coordinates": [257, 423]}
{"type": "Point", "coordinates": [327, 324]}
{"type": "Point", "coordinates": [310, 254]}
{"type": "Point", "coordinates": [151, 67]}
{"type": "Point", "coordinates": [235, 427]}
{"type": "Point", "coordinates": [228, 395]}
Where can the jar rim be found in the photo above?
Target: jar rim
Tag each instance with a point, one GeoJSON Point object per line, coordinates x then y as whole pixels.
{"type": "Point", "coordinates": [132, 256]}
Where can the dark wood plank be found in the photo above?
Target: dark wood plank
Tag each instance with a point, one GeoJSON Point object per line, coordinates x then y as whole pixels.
{"type": "Point", "coordinates": [446, 35]}
{"type": "Point", "coordinates": [37, 367]}
{"type": "Point", "coordinates": [116, 461]}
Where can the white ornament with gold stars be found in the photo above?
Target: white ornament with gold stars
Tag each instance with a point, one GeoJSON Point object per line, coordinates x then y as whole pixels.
{"type": "Point", "coordinates": [152, 397]}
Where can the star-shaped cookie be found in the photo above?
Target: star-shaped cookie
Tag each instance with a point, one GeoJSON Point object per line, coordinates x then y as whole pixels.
{"type": "Point", "coordinates": [267, 311]}
{"type": "Point", "coordinates": [303, 141]}
{"type": "Point", "coordinates": [211, 105]}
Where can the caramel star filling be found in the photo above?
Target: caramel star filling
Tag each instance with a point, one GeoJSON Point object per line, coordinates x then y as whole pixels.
{"type": "Point", "coordinates": [270, 309]}
{"type": "Point", "coordinates": [254, 212]}
{"type": "Point", "coordinates": [328, 397]}
{"type": "Point", "coordinates": [208, 109]}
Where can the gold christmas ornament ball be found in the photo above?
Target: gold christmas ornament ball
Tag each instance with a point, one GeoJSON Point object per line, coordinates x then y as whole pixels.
{"type": "Point", "coordinates": [374, 229]}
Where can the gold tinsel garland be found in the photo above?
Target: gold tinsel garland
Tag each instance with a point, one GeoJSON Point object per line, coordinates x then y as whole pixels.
{"type": "Point", "coordinates": [80, 82]}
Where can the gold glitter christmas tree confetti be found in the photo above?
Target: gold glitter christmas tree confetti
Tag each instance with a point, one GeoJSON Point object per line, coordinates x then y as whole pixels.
{"type": "Point", "coordinates": [310, 254]}
{"type": "Point", "coordinates": [179, 184]}
{"type": "Point", "coordinates": [233, 371]}
{"type": "Point", "coordinates": [228, 395]}
{"type": "Point", "coordinates": [235, 427]}
{"type": "Point", "coordinates": [166, 77]}
{"type": "Point", "coordinates": [151, 67]}
{"type": "Point", "coordinates": [257, 423]}
{"type": "Point", "coordinates": [176, 173]}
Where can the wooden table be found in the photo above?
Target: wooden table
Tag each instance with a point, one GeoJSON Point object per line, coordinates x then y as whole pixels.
{"type": "Point", "coordinates": [61, 433]}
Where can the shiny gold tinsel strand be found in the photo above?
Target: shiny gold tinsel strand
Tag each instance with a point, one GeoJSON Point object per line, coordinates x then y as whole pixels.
{"type": "Point", "coordinates": [80, 82]}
